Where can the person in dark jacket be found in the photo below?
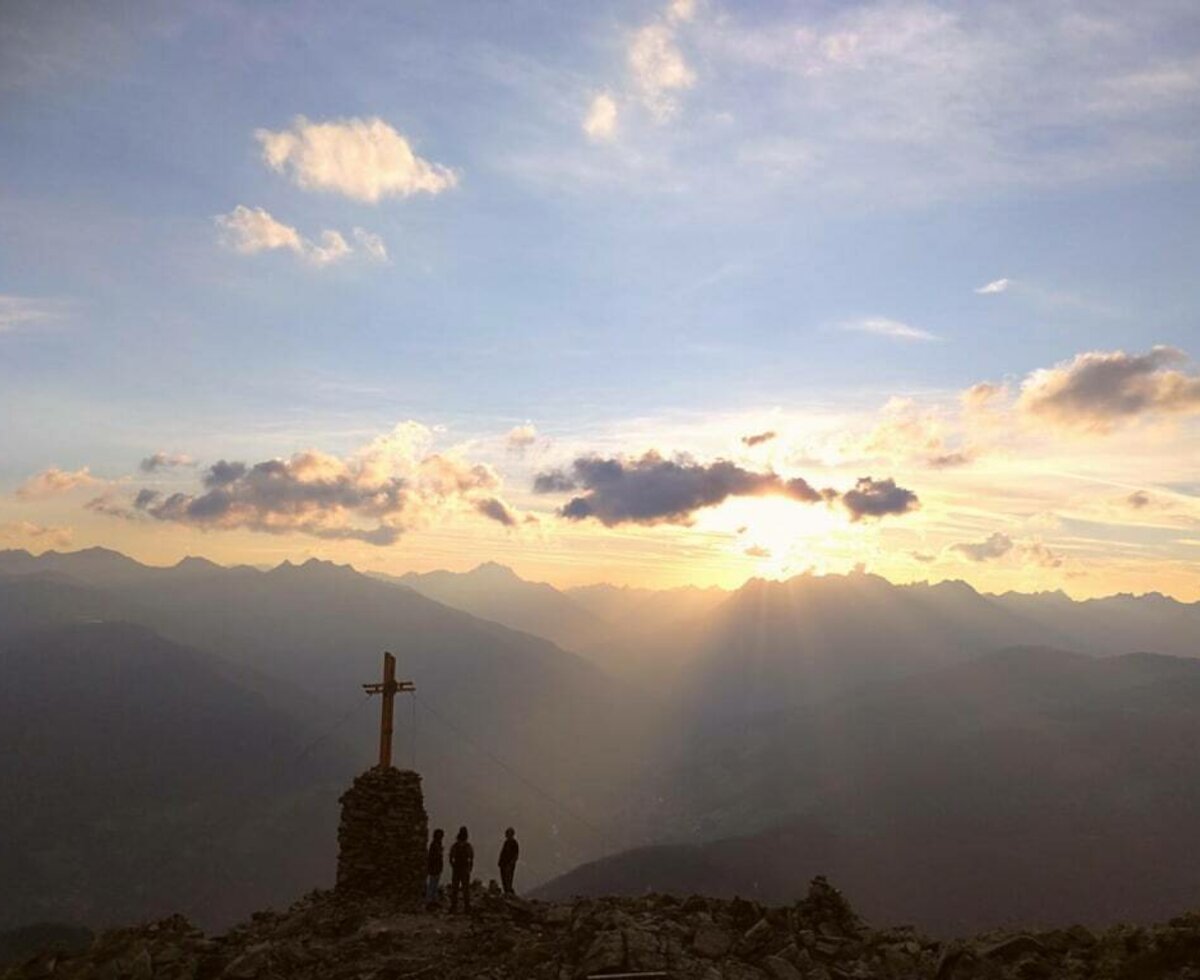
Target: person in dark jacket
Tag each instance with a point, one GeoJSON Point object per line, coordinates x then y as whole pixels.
{"type": "Point", "coordinates": [434, 868]}
{"type": "Point", "coordinates": [462, 860]}
{"type": "Point", "coordinates": [509, 853]}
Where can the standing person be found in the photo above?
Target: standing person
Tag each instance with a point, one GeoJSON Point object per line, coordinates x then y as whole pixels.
{"type": "Point", "coordinates": [462, 860]}
{"type": "Point", "coordinates": [508, 860]}
{"type": "Point", "coordinates": [434, 868]}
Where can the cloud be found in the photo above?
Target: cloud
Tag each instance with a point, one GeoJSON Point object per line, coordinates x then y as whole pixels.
{"type": "Point", "coordinates": [1036, 553]}
{"type": "Point", "coordinates": [658, 68]}
{"type": "Point", "coordinates": [996, 545]}
{"type": "Point", "coordinates": [18, 532]}
{"type": "Point", "coordinates": [364, 159]}
{"type": "Point", "coordinates": [884, 327]}
{"type": "Point", "coordinates": [653, 490]}
{"type": "Point", "coordinates": [22, 312]}
{"type": "Point", "coordinates": [758, 439]}
{"type": "Point", "coordinates": [388, 487]}
{"type": "Point", "coordinates": [757, 551]}
{"type": "Point", "coordinates": [496, 510]}
{"type": "Point", "coordinates": [946, 461]}
{"type": "Point", "coordinates": [372, 244]}
{"type": "Point", "coordinates": [1138, 499]}
{"type": "Point", "coordinates": [165, 461]}
{"type": "Point", "coordinates": [520, 438]}
{"type": "Point", "coordinates": [878, 498]}
{"type": "Point", "coordinates": [248, 231]}
{"type": "Point", "coordinates": [994, 287]}
{"type": "Point", "coordinates": [1099, 390]}
{"type": "Point", "coordinates": [555, 481]}
{"type": "Point", "coordinates": [908, 433]}
{"type": "Point", "coordinates": [983, 395]}
{"type": "Point", "coordinates": [600, 122]}
{"type": "Point", "coordinates": [52, 481]}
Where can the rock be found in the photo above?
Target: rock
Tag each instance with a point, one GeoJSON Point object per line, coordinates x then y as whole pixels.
{"type": "Point", "coordinates": [142, 967]}
{"type": "Point", "coordinates": [712, 942]}
{"type": "Point", "coordinates": [606, 953]}
{"type": "Point", "coordinates": [1012, 948]}
{"type": "Point", "coordinates": [780, 969]}
{"type": "Point", "coordinates": [756, 936]}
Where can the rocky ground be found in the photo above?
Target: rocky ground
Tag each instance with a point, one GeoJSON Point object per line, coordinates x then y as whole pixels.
{"type": "Point", "coordinates": [328, 936]}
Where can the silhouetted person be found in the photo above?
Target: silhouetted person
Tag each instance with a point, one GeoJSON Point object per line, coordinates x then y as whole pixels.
{"type": "Point", "coordinates": [434, 868]}
{"type": "Point", "coordinates": [462, 860]}
{"type": "Point", "coordinates": [508, 860]}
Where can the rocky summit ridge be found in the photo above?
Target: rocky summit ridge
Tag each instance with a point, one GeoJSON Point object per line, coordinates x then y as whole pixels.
{"type": "Point", "coordinates": [331, 936]}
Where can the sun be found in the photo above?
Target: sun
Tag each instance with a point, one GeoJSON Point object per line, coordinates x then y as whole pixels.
{"type": "Point", "coordinates": [778, 533]}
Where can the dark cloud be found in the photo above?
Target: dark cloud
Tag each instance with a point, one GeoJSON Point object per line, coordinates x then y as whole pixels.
{"type": "Point", "coordinates": [496, 510]}
{"type": "Point", "coordinates": [758, 438]}
{"type": "Point", "coordinates": [945, 461]}
{"type": "Point", "coordinates": [1036, 553]}
{"type": "Point", "coordinates": [1100, 389]}
{"type": "Point", "coordinates": [654, 490]}
{"type": "Point", "coordinates": [554, 481]}
{"type": "Point", "coordinates": [222, 473]}
{"type": "Point", "coordinates": [996, 545]}
{"type": "Point", "coordinates": [1138, 499]}
{"type": "Point", "coordinates": [164, 461]}
{"type": "Point", "coordinates": [758, 551]}
{"type": "Point", "coordinates": [923, 558]}
{"type": "Point", "coordinates": [878, 498]}
{"type": "Point", "coordinates": [360, 498]}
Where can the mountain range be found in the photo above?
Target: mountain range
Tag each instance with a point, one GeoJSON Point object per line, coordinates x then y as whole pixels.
{"type": "Point", "coordinates": [948, 755]}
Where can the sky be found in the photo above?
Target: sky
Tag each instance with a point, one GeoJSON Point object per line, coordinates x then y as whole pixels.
{"type": "Point", "coordinates": [654, 293]}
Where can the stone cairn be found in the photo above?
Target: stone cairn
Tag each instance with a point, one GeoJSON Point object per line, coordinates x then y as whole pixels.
{"type": "Point", "coordinates": [383, 835]}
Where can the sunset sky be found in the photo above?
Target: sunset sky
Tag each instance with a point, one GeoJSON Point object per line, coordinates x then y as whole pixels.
{"type": "Point", "coordinates": [648, 292]}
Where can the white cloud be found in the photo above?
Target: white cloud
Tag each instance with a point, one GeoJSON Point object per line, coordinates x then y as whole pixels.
{"type": "Point", "coordinates": [600, 123]}
{"type": "Point", "coordinates": [251, 230]}
{"type": "Point", "coordinates": [884, 327]}
{"type": "Point", "coordinates": [993, 287]}
{"type": "Point", "coordinates": [659, 69]}
{"type": "Point", "coordinates": [364, 159]}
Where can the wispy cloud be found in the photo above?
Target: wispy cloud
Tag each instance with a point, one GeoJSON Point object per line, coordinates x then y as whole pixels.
{"type": "Point", "coordinates": [27, 312]}
{"type": "Point", "coordinates": [994, 287]}
{"type": "Point", "coordinates": [30, 532]}
{"type": "Point", "coordinates": [885, 327]}
{"type": "Point", "coordinates": [363, 159]}
{"type": "Point", "coordinates": [165, 461]}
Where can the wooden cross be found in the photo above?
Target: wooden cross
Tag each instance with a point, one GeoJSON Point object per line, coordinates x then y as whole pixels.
{"type": "Point", "coordinates": [388, 689]}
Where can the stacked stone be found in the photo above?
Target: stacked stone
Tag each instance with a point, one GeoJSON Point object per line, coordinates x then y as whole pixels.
{"type": "Point", "coordinates": [383, 835]}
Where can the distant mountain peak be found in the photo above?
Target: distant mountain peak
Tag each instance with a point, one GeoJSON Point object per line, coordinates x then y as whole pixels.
{"type": "Point", "coordinates": [494, 570]}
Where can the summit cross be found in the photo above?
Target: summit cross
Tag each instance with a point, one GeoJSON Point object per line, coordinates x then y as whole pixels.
{"type": "Point", "coordinates": [388, 688]}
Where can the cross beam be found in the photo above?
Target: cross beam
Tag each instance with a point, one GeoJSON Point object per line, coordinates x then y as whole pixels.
{"type": "Point", "coordinates": [388, 688]}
